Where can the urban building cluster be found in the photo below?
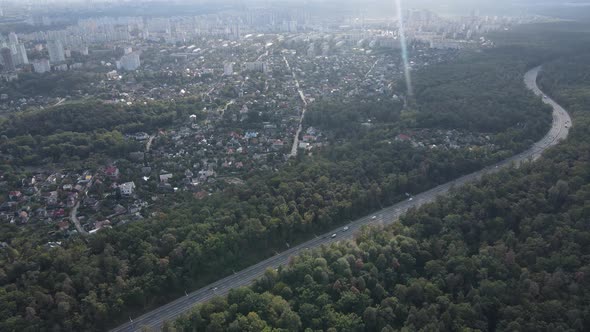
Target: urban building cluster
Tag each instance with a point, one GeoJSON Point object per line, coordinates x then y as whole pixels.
{"type": "Point", "coordinates": [421, 25]}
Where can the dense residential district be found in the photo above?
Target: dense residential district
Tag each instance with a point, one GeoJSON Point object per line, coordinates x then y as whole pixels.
{"type": "Point", "coordinates": [254, 78]}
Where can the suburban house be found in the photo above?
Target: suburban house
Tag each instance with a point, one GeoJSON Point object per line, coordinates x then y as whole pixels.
{"type": "Point", "coordinates": [127, 188]}
{"type": "Point", "coordinates": [112, 172]}
{"type": "Point", "coordinates": [164, 178]}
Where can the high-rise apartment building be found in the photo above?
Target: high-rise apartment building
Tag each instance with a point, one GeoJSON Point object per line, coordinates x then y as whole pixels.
{"type": "Point", "coordinates": [256, 66]}
{"type": "Point", "coordinates": [56, 51]}
{"type": "Point", "coordinates": [13, 38]}
{"type": "Point", "coordinates": [7, 61]}
{"type": "Point", "coordinates": [228, 69]}
{"type": "Point", "coordinates": [41, 66]}
{"type": "Point", "coordinates": [129, 62]}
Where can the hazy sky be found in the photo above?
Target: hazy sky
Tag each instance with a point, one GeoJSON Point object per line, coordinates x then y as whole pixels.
{"type": "Point", "coordinates": [370, 7]}
{"type": "Point", "coordinates": [384, 2]}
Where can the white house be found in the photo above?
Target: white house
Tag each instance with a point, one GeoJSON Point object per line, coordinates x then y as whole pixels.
{"type": "Point", "coordinates": [127, 189]}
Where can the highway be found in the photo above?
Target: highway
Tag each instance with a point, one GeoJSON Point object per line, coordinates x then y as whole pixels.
{"type": "Point", "coordinates": [154, 319]}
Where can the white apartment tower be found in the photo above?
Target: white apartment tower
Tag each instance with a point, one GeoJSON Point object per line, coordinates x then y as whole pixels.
{"type": "Point", "coordinates": [13, 38]}
{"type": "Point", "coordinates": [56, 51]}
{"type": "Point", "coordinates": [41, 66]}
{"type": "Point", "coordinates": [21, 58]}
{"type": "Point", "coordinates": [129, 62]}
{"type": "Point", "coordinates": [228, 69]}
{"type": "Point", "coordinates": [258, 66]}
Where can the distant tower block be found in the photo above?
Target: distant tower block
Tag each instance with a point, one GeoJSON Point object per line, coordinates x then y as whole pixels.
{"type": "Point", "coordinates": [228, 69]}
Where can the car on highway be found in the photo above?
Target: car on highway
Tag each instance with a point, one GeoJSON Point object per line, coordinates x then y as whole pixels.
{"type": "Point", "coordinates": [345, 228]}
{"type": "Point", "coordinates": [154, 319]}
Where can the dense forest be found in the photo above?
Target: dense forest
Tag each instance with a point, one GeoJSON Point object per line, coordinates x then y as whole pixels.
{"type": "Point", "coordinates": [510, 253]}
{"type": "Point", "coordinates": [81, 129]}
{"type": "Point", "coordinates": [127, 269]}
{"type": "Point", "coordinates": [477, 92]}
{"type": "Point", "coordinates": [30, 85]}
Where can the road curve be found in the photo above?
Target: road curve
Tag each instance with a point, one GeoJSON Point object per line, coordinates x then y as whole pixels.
{"type": "Point", "coordinates": [76, 221]}
{"type": "Point", "coordinates": [154, 319]}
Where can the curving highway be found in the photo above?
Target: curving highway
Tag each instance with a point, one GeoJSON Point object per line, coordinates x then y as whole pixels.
{"type": "Point", "coordinates": [154, 319]}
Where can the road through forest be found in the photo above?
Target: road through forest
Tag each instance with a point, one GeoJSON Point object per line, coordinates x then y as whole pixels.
{"type": "Point", "coordinates": [168, 312]}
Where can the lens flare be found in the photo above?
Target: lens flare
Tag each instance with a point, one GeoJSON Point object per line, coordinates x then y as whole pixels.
{"type": "Point", "coordinates": [402, 38]}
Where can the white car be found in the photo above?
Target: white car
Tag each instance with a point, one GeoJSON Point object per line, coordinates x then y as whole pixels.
{"type": "Point", "coordinates": [345, 228]}
{"type": "Point", "coordinates": [334, 235]}
{"type": "Point", "coordinates": [411, 199]}
{"type": "Point", "coordinates": [374, 217]}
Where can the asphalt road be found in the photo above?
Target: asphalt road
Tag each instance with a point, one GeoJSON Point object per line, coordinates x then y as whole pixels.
{"type": "Point", "coordinates": [74, 217]}
{"type": "Point", "coordinates": [295, 146]}
{"type": "Point", "coordinates": [154, 319]}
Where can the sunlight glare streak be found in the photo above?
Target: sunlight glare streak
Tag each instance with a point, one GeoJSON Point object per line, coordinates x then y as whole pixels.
{"type": "Point", "coordinates": [402, 37]}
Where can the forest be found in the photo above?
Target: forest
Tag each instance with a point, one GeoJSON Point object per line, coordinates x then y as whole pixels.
{"type": "Point", "coordinates": [477, 92]}
{"type": "Point", "coordinates": [126, 270]}
{"type": "Point", "coordinates": [80, 130]}
{"type": "Point", "coordinates": [30, 85]}
{"type": "Point", "coordinates": [510, 253]}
